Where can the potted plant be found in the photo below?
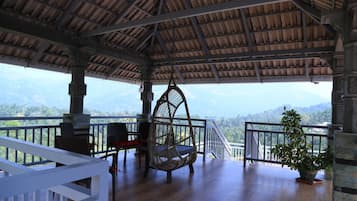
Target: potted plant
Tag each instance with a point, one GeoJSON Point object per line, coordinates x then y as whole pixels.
{"type": "Point", "coordinates": [295, 154]}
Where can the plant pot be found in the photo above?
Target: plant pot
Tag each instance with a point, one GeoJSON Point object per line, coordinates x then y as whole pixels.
{"type": "Point", "coordinates": [308, 175]}
{"type": "Point", "coordinates": [328, 173]}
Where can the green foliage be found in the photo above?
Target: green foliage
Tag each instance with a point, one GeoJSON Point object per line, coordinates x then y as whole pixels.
{"type": "Point", "coordinates": [233, 128]}
{"type": "Point", "coordinates": [295, 153]}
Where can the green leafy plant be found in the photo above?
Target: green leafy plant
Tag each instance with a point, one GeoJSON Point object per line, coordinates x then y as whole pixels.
{"type": "Point", "coordinates": [295, 154]}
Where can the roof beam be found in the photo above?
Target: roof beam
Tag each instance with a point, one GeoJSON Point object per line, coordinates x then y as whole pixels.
{"type": "Point", "coordinates": [248, 34]}
{"type": "Point", "coordinates": [257, 71]}
{"type": "Point", "coordinates": [307, 72]}
{"type": "Point", "coordinates": [304, 29]}
{"type": "Point", "coordinates": [234, 18]}
{"type": "Point", "coordinates": [201, 39]}
{"type": "Point", "coordinates": [304, 33]}
{"type": "Point", "coordinates": [312, 12]}
{"type": "Point", "coordinates": [143, 42]}
{"type": "Point", "coordinates": [11, 23]}
{"type": "Point", "coordinates": [214, 36]}
{"type": "Point", "coordinates": [42, 47]}
{"type": "Point", "coordinates": [126, 10]}
{"type": "Point", "coordinates": [130, 5]}
{"type": "Point", "coordinates": [192, 12]}
{"type": "Point", "coordinates": [142, 10]}
{"type": "Point", "coordinates": [250, 56]}
{"type": "Point", "coordinates": [297, 78]}
{"type": "Point", "coordinates": [251, 45]}
{"type": "Point", "coordinates": [113, 70]}
{"type": "Point", "coordinates": [161, 3]}
{"type": "Point", "coordinates": [164, 48]}
{"type": "Point", "coordinates": [234, 47]}
{"type": "Point", "coordinates": [68, 13]}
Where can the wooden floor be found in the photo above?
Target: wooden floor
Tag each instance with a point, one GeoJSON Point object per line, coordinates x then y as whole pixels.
{"type": "Point", "coordinates": [217, 180]}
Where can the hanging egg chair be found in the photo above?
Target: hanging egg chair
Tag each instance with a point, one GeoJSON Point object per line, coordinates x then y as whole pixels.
{"type": "Point", "coordinates": [169, 147]}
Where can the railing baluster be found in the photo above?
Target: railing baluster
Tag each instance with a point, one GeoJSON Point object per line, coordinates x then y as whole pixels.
{"type": "Point", "coordinates": [264, 142]}
{"type": "Point", "coordinates": [41, 135]}
{"type": "Point", "coordinates": [48, 136]}
{"type": "Point", "coordinates": [320, 143]}
{"type": "Point", "coordinates": [104, 129]}
{"type": "Point", "coordinates": [7, 149]}
{"type": "Point", "coordinates": [33, 141]}
{"type": "Point", "coordinates": [312, 144]}
{"type": "Point", "coordinates": [16, 152]}
{"type": "Point", "coordinates": [271, 145]}
{"type": "Point", "coordinates": [258, 145]}
{"type": "Point", "coordinates": [25, 138]}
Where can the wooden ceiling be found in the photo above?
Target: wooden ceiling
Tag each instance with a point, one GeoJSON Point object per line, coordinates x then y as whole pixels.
{"type": "Point", "coordinates": [196, 41]}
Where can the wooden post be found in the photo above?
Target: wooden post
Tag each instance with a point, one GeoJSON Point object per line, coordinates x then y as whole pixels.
{"type": "Point", "coordinates": [336, 100]}
{"type": "Point", "coordinates": [345, 161]}
{"type": "Point", "coordinates": [77, 90]}
{"type": "Point", "coordinates": [146, 97]}
{"type": "Point", "coordinates": [146, 92]}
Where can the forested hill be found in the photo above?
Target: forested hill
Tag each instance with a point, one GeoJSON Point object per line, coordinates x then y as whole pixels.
{"type": "Point", "coordinates": [233, 128]}
{"type": "Point", "coordinates": [13, 110]}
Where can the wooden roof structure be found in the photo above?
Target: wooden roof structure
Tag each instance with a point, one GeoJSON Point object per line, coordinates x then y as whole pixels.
{"type": "Point", "coordinates": [198, 41]}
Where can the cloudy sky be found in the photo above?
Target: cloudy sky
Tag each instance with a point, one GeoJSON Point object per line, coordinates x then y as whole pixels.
{"type": "Point", "coordinates": [205, 100]}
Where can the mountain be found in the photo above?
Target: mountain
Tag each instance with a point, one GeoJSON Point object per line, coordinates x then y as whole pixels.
{"type": "Point", "coordinates": [30, 87]}
{"type": "Point", "coordinates": [233, 128]}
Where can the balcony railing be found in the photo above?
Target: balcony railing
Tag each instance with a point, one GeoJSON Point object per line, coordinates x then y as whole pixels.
{"type": "Point", "coordinates": [24, 183]}
{"type": "Point", "coordinates": [261, 137]}
{"type": "Point", "coordinates": [42, 130]}
{"type": "Point", "coordinates": [216, 142]}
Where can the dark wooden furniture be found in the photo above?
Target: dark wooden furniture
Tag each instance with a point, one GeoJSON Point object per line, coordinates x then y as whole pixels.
{"type": "Point", "coordinates": [118, 139]}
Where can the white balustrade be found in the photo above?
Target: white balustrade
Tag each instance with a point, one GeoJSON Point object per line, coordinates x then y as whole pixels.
{"type": "Point", "coordinates": [24, 183]}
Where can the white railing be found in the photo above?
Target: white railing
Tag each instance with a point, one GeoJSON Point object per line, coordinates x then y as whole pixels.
{"type": "Point", "coordinates": [24, 183]}
{"type": "Point", "coordinates": [216, 142]}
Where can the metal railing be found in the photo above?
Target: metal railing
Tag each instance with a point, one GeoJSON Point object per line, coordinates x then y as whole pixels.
{"type": "Point", "coordinates": [216, 142]}
{"type": "Point", "coordinates": [42, 130]}
{"type": "Point", "coordinates": [181, 128]}
{"type": "Point", "coordinates": [260, 138]}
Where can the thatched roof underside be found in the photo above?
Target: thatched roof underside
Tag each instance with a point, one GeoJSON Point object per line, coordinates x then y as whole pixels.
{"type": "Point", "coordinates": [260, 41]}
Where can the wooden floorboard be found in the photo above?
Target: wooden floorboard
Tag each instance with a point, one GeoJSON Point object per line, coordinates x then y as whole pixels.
{"type": "Point", "coordinates": [217, 180]}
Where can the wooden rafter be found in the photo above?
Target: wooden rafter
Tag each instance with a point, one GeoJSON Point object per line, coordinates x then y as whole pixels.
{"type": "Point", "coordinates": [251, 44]}
{"type": "Point", "coordinates": [164, 48]}
{"type": "Point", "coordinates": [9, 23]}
{"type": "Point", "coordinates": [226, 6]}
{"type": "Point", "coordinates": [250, 56]}
{"type": "Point", "coordinates": [201, 39]}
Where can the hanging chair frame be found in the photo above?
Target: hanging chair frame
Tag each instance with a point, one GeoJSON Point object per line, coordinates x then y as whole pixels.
{"type": "Point", "coordinates": [169, 154]}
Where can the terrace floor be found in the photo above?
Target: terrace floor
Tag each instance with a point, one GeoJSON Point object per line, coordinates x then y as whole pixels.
{"type": "Point", "coordinates": [217, 180]}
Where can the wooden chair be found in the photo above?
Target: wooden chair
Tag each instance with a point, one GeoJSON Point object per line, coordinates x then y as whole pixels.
{"type": "Point", "coordinates": [118, 139]}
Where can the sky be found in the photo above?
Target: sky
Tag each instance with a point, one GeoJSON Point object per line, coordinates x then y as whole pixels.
{"type": "Point", "coordinates": [208, 100]}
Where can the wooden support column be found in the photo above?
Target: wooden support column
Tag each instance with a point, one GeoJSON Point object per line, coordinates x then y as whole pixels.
{"type": "Point", "coordinates": [337, 103]}
{"type": "Point", "coordinates": [146, 98]}
{"type": "Point", "coordinates": [146, 93]}
{"type": "Point", "coordinates": [77, 90]}
{"type": "Point", "coordinates": [345, 161]}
